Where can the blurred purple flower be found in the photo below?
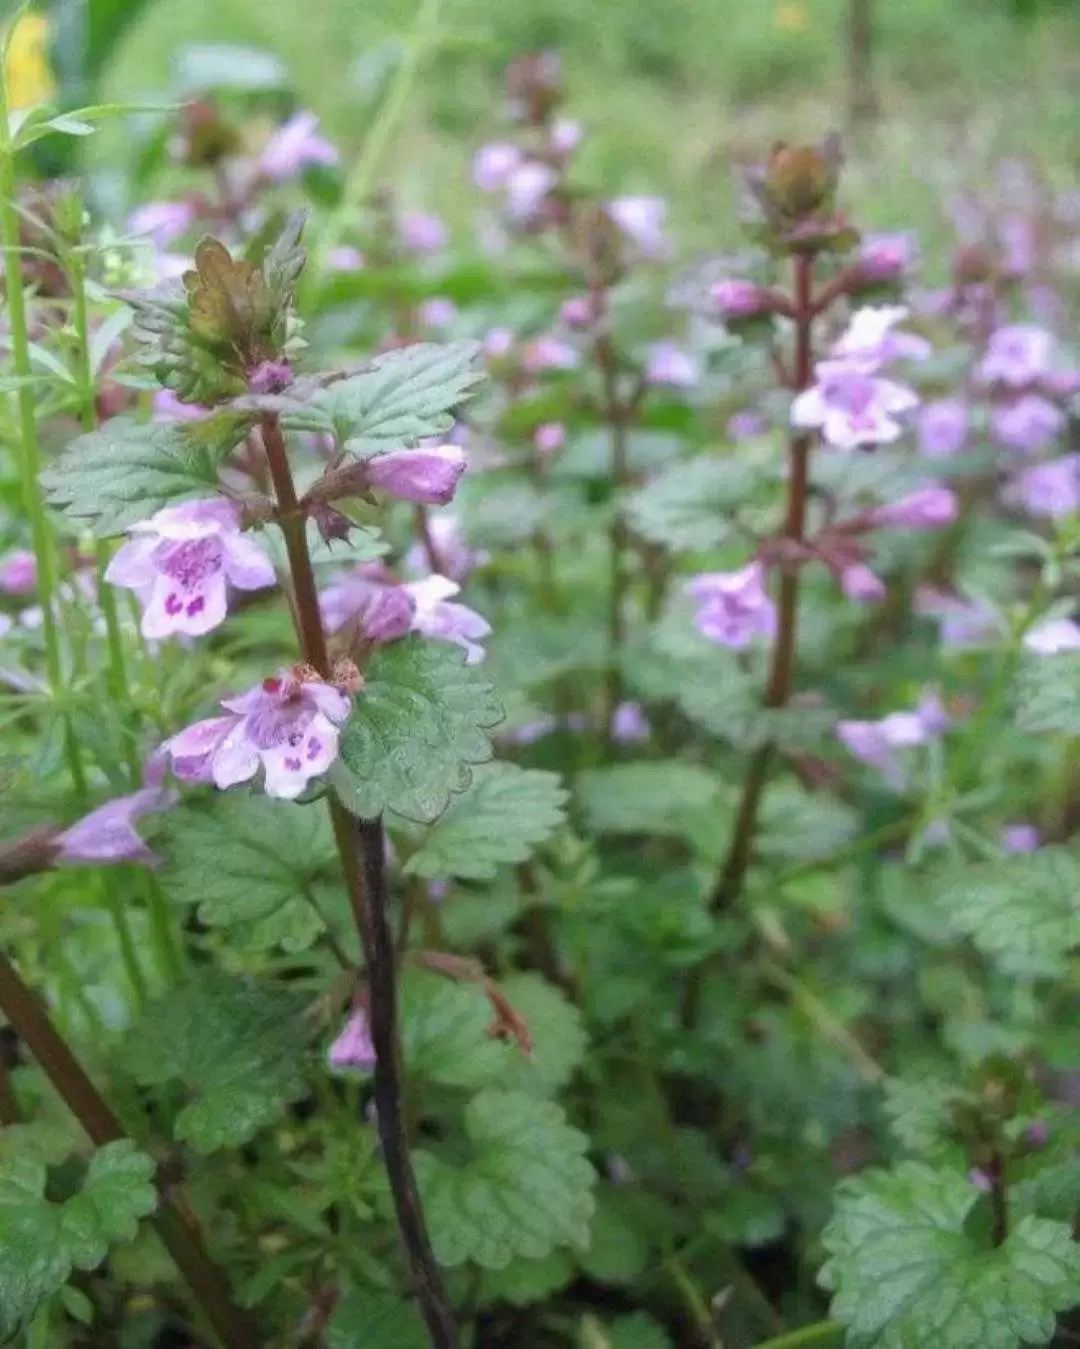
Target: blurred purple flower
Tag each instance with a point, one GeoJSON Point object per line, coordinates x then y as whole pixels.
{"type": "Point", "coordinates": [962, 622]}
{"type": "Point", "coordinates": [746, 425]}
{"type": "Point", "coordinates": [498, 343]}
{"type": "Point", "coordinates": [1028, 424]}
{"type": "Point", "coordinates": [295, 145]}
{"type": "Point", "coordinates": [980, 1180]}
{"type": "Point", "coordinates": [163, 221]}
{"type": "Point", "coordinates": [456, 558]}
{"type": "Point", "coordinates": [383, 611]}
{"type": "Point", "coordinates": [735, 608]}
{"type": "Point", "coordinates": [168, 408]}
{"type": "Point", "coordinates": [736, 299]}
{"type": "Point", "coordinates": [565, 135]}
{"type": "Point", "coordinates": [871, 340]}
{"type": "Point", "coordinates": [181, 562]}
{"type": "Point", "coordinates": [270, 377]}
{"type": "Point", "coordinates": [345, 259]}
{"type": "Point", "coordinates": [667, 363]}
{"type": "Point", "coordinates": [885, 257]}
{"type": "Point", "coordinates": [1051, 489]}
{"type": "Point", "coordinates": [493, 163]}
{"type": "Point", "coordinates": [549, 437]}
{"type": "Point", "coordinates": [642, 219]}
{"type": "Point", "coordinates": [1020, 838]}
{"type": "Point", "coordinates": [1038, 1133]}
{"type": "Point", "coordinates": [438, 312]}
{"type": "Point", "coordinates": [1017, 355]}
{"type": "Point", "coordinates": [287, 726]}
{"type": "Point", "coordinates": [527, 186]}
{"type": "Point", "coordinates": [629, 724]}
{"type": "Point", "coordinates": [1053, 636]}
{"type": "Point", "coordinates": [18, 573]}
{"type": "Point", "coordinates": [421, 233]}
{"type": "Point", "coordinates": [927, 508]}
{"type": "Point", "coordinates": [942, 428]}
{"type": "Point", "coordinates": [427, 476]}
{"type": "Point", "coordinates": [876, 742]}
{"type": "Point", "coordinates": [353, 1049]}
{"type": "Point", "coordinates": [1016, 235]}
{"type": "Point", "coordinates": [549, 353]}
{"type": "Point", "coordinates": [852, 408]}
{"type": "Point", "coordinates": [577, 312]}
{"type": "Point", "coordinates": [108, 834]}
{"type": "Point", "coordinates": [859, 583]}
{"type": "Point", "coordinates": [445, 622]}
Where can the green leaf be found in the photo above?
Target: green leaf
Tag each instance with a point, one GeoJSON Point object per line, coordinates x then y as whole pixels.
{"type": "Point", "coordinates": [524, 1282]}
{"type": "Point", "coordinates": [921, 1116]}
{"type": "Point", "coordinates": [368, 1318]}
{"type": "Point", "coordinates": [618, 1250]}
{"type": "Point", "coordinates": [444, 1031]}
{"type": "Point", "coordinates": [905, 1270]}
{"type": "Point", "coordinates": [636, 1331]}
{"type": "Point", "coordinates": [415, 731]}
{"type": "Point", "coordinates": [688, 508]}
{"type": "Point", "coordinates": [559, 1039]}
{"type": "Point", "coordinates": [1021, 911]}
{"type": "Point", "coordinates": [503, 817]}
{"type": "Point", "coordinates": [108, 479]}
{"type": "Point", "coordinates": [646, 798]}
{"type": "Point", "coordinates": [398, 398]}
{"type": "Point", "coordinates": [1048, 693]}
{"type": "Point", "coordinates": [41, 1242]}
{"type": "Point", "coordinates": [525, 1191]}
{"type": "Point", "coordinates": [247, 860]}
{"type": "Point", "coordinates": [240, 1049]}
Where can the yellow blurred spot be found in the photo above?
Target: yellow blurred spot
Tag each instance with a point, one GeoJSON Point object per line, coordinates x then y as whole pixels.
{"type": "Point", "coordinates": [792, 17]}
{"type": "Point", "coordinates": [28, 79]}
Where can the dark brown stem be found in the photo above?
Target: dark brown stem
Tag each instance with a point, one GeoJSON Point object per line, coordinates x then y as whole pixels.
{"type": "Point", "coordinates": [31, 1023]}
{"type": "Point", "coordinates": [620, 472]}
{"type": "Point", "coordinates": [999, 1200]}
{"type": "Point", "coordinates": [361, 849]}
{"type": "Point", "coordinates": [782, 665]}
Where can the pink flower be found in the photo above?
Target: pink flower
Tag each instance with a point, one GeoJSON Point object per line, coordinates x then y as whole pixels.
{"type": "Point", "coordinates": [421, 233]}
{"type": "Point", "coordinates": [577, 312]}
{"type": "Point", "coordinates": [287, 726]}
{"type": "Point", "coordinates": [270, 377]}
{"type": "Point", "coordinates": [746, 424]}
{"type": "Point", "coordinates": [108, 834]}
{"type": "Point", "coordinates": [1016, 234]}
{"type": "Point", "coordinates": [384, 611]}
{"type": "Point", "coordinates": [1020, 838]}
{"type": "Point", "coordinates": [427, 476]}
{"type": "Point", "coordinates": [353, 1048]}
{"type": "Point", "coordinates": [962, 622]}
{"type": "Point", "coordinates": [885, 257]}
{"type": "Point", "coordinates": [876, 742]}
{"type": "Point", "coordinates": [669, 364]}
{"type": "Point", "coordinates": [735, 607]}
{"type": "Point", "coordinates": [871, 340]}
{"type": "Point", "coordinates": [168, 408]}
{"type": "Point", "coordinates": [293, 146]}
{"type": "Point", "coordinates": [438, 312]}
{"type": "Point", "coordinates": [859, 583]}
{"type": "Point", "coordinates": [345, 259]}
{"type": "Point", "coordinates": [641, 219]}
{"type": "Point", "coordinates": [493, 164]}
{"type": "Point", "coordinates": [445, 622]}
{"type": "Point", "coordinates": [629, 724]}
{"type": "Point", "coordinates": [736, 299]}
{"type": "Point", "coordinates": [548, 353]}
{"type": "Point", "coordinates": [928, 508]}
{"type": "Point", "coordinates": [456, 558]}
{"type": "Point", "coordinates": [1051, 489]}
{"type": "Point", "coordinates": [1053, 636]}
{"type": "Point", "coordinates": [18, 573]}
{"type": "Point", "coordinates": [163, 221]}
{"type": "Point", "coordinates": [565, 136]}
{"type": "Point", "coordinates": [1017, 355]}
{"type": "Point", "coordinates": [527, 186]}
{"type": "Point", "coordinates": [1029, 424]}
{"type": "Point", "coordinates": [549, 437]}
{"type": "Point", "coordinates": [942, 428]}
{"type": "Point", "coordinates": [852, 408]}
{"type": "Point", "coordinates": [498, 344]}
{"type": "Point", "coordinates": [181, 563]}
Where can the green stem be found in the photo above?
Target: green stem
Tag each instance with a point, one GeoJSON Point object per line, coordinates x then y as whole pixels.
{"type": "Point", "coordinates": [798, 1339]}
{"type": "Point", "coordinates": [114, 902]}
{"type": "Point", "coordinates": [30, 454]}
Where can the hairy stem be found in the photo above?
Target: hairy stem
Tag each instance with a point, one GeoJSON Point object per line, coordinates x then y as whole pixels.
{"type": "Point", "coordinates": [29, 450]}
{"type": "Point", "coordinates": [361, 847]}
{"type": "Point", "coordinates": [740, 853]}
{"type": "Point", "coordinates": [31, 1023]}
{"type": "Point", "coordinates": [999, 1200]}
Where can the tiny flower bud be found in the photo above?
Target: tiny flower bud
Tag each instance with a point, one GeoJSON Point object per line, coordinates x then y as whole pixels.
{"type": "Point", "coordinates": [577, 312]}
{"type": "Point", "coordinates": [859, 583]}
{"type": "Point", "coordinates": [800, 180]}
{"type": "Point", "coordinates": [353, 1049]}
{"type": "Point", "coordinates": [885, 257]}
{"type": "Point", "coordinates": [929, 508]}
{"type": "Point", "coordinates": [427, 476]}
{"type": "Point", "coordinates": [737, 299]}
{"type": "Point", "coordinates": [270, 377]}
{"type": "Point", "coordinates": [549, 437]}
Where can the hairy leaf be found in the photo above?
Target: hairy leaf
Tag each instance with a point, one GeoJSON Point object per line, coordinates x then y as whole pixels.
{"type": "Point", "coordinates": [645, 798]}
{"type": "Point", "coordinates": [689, 507]}
{"type": "Point", "coordinates": [376, 1320]}
{"type": "Point", "coordinates": [1048, 693]}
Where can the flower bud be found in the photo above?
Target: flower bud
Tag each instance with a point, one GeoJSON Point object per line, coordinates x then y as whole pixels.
{"type": "Point", "coordinates": [737, 299]}
{"type": "Point", "coordinates": [885, 257]}
{"type": "Point", "coordinates": [353, 1049]}
{"type": "Point", "coordinates": [800, 180]}
{"type": "Point", "coordinates": [426, 476]}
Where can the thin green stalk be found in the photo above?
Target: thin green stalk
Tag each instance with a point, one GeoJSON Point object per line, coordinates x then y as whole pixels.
{"type": "Point", "coordinates": [29, 450]}
{"type": "Point", "coordinates": [125, 939]}
{"type": "Point", "coordinates": [817, 1333]}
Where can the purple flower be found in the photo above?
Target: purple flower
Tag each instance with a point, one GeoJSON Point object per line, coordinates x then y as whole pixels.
{"type": "Point", "coordinates": [885, 257]}
{"type": "Point", "coordinates": [565, 136]}
{"type": "Point", "coordinates": [1029, 424]}
{"type": "Point", "coordinates": [344, 259]}
{"type": "Point", "coordinates": [852, 408]}
{"type": "Point", "coordinates": [928, 508]}
{"type": "Point", "coordinates": [421, 233]}
{"type": "Point", "coordinates": [493, 164]}
{"type": "Point", "coordinates": [962, 622]}
{"type": "Point", "coordinates": [181, 563]}
{"type": "Point", "coordinates": [353, 1048]}
{"type": "Point", "coordinates": [1051, 489]}
{"type": "Point", "coordinates": [270, 377]}
{"type": "Point", "coordinates": [1038, 1133]}
{"type": "Point", "coordinates": [18, 573]}
{"type": "Point", "coordinates": [382, 610]}
{"type": "Point", "coordinates": [163, 221]}
{"type": "Point", "coordinates": [438, 312]}
{"type": "Point", "coordinates": [667, 363]}
{"type": "Point", "coordinates": [980, 1180]}
{"type": "Point", "coordinates": [1017, 355]}
{"type": "Point", "coordinates": [871, 340]}
{"type": "Point", "coordinates": [287, 726]}
{"type": "Point", "coordinates": [737, 299]}
{"type": "Point", "coordinates": [1020, 838]}
{"type": "Point", "coordinates": [549, 437]}
{"type": "Point", "coordinates": [1016, 234]}
{"type": "Point", "coordinates": [456, 558]}
{"type": "Point", "coordinates": [859, 583]}
{"type": "Point", "coordinates": [942, 428]}
{"type": "Point", "coordinates": [735, 607]}
{"type": "Point", "coordinates": [876, 742]}
{"type": "Point", "coordinates": [548, 353]}
{"type": "Point", "coordinates": [445, 622]}
{"type": "Point", "coordinates": [498, 343]}
{"type": "Point", "coordinates": [168, 408]}
{"type": "Point", "coordinates": [1062, 383]}
{"type": "Point", "coordinates": [577, 312]}
{"type": "Point", "coordinates": [629, 724]}
{"type": "Point", "coordinates": [1053, 636]}
{"type": "Point", "coordinates": [527, 186]}
{"type": "Point", "coordinates": [746, 424]}
{"type": "Point", "coordinates": [108, 834]}
{"type": "Point", "coordinates": [641, 219]}
{"type": "Point", "coordinates": [293, 146]}
{"type": "Point", "coordinates": [426, 476]}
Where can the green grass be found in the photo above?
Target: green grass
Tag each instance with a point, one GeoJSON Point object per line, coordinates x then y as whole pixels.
{"type": "Point", "coordinates": [668, 89]}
